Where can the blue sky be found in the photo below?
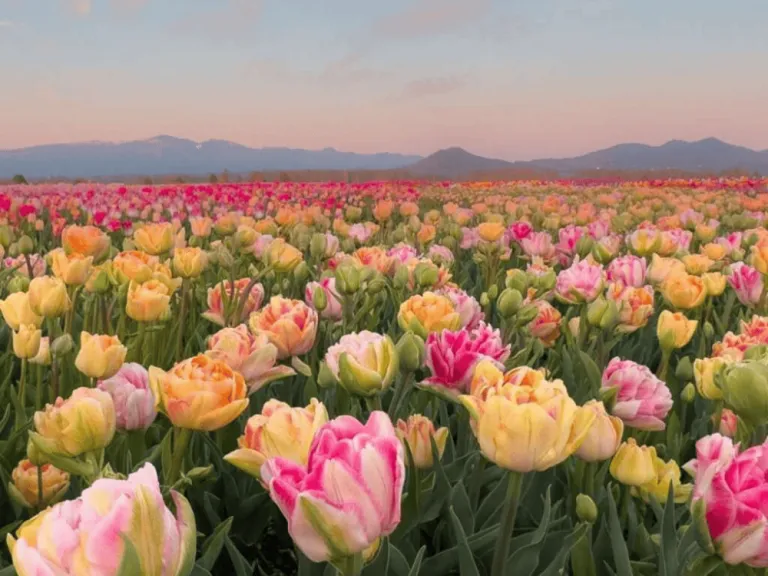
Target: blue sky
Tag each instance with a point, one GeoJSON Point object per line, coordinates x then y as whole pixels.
{"type": "Point", "coordinates": [503, 78]}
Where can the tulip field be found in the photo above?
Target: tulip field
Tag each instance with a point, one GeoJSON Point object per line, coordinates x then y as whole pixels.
{"type": "Point", "coordinates": [389, 378]}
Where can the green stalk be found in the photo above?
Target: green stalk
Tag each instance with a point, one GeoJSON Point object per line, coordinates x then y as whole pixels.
{"type": "Point", "coordinates": [182, 436]}
{"type": "Point", "coordinates": [23, 384]}
{"type": "Point", "coordinates": [349, 565]}
{"type": "Point", "coordinates": [582, 561]}
{"type": "Point", "coordinates": [39, 387]}
{"type": "Point", "coordinates": [182, 318]}
{"type": "Point", "coordinates": [507, 524]}
{"type": "Point", "coordinates": [40, 503]}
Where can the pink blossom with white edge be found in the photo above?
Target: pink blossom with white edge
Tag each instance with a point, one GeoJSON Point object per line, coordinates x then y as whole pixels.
{"type": "Point", "coordinates": [132, 396]}
{"type": "Point", "coordinates": [582, 282]}
{"type": "Point", "coordinates": [349, 494]}
{"type": "Point", "coordinates": [468, 308]}
{"type": "Point", "coordinates": [630, 270]}
{"type": "Point", "coordinates": [333, 308]}
{"type": "Point", "coordinates": [643, 400]}
{"type": "Point", "coordinates": [747, 282]}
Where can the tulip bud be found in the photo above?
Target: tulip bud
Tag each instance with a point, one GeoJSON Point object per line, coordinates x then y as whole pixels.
{"type": "Point", "coordinates": [411, 351]}
{"type": "Point", "coordinates": [584, 246]}
{"type": "Point", "coordinates": [13, 250]}
{"type": "Point", "coordinates": [26, 245]}
{"type": "Point", "coordinates": [709, 330]}
{"type": "Point", "coordinates": [347, 279]}
{"type": "Point", "coordinates": [758, 353]}
{"type": "Point", "coordinates": [484, 299]}
{"type": "Point", "coordinates": [611, 316]}
{"type": "Point", "coordinates": [62, 345]}
{"type": "Point", "coordinates": [425, 274]}
{"type": "Point", "coordinates": [6, 236]}
{"type": "Point", "coordinates": [417, 433]}
{"type": "Point", "coordinates": [546, 281]}
{"type": "Point", "coordinates": [493, 292]}
{"type": "Point", "coordinates": [586, 509]}
{"type": "Point", "coordinates": [26, 341]}
{"type": "Point", "coordinates": [319, 299]}
{"type": "Point", "coordinates": [325, 378]}
{"type": "Point", "coordinates": [684, 370]}
{"type": "Point", "coordinates": [317, 245]}
{"type": "Point", "coordinates": [301, 272]}
{"type": "Point", "coordinates": [34, 455]}
{"type": "Point", "coordinates": [596, 310]}
{"type": "Point", "coordinates": [527, 314]}
{"type": "Point", "coordinates": [401, 277]}
{"type": "Point", "coordinates": [517, 280]}
{"type": "Point", "coordinates": [509, 302]}
{"type": "Point", "coordinates": [737, 255]}
{"type": "Point", "coordinates": [18, 284]}
{"type": "Point", "coordinates": [376, 285]}
{"type": "Point", "coordinates": [745, 390]}
{"type": "Point", "coordinates": [26, 487]}
{"type": "Point", "coordinates": [689, 393]}
{"type": "Point", "coordinates": [224, 258]}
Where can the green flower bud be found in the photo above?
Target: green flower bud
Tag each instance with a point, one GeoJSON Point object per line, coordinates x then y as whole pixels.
{"type": "Point", "coordinates": [517, 280]}
{"type": "Point", "coordinates": [597, 308]}
{"type": "Point", "coordinates": [611, 316]}
{"type": "Point", "coordinates": [353, 213]}
{"type": "Point", "coordinates": [586, 509]}
{"type": "Point", "coordinates": [401, 277]}
{"type": "Point", "coordinates": [325, 378]}
{"type": "Point", "coordinates": [758, 353]}
{"type": "Point", "coordinates": [398, 234]}
{"type": "Point", "coordinates": [411, 351]}
{"type": "Point", "coordinates": [62, 345]}
{"type": "Point", "coordinates": [484, 299]}
{"type": "Point", "coordinates": [509, 302]}
{"type": "Point", "coordinates": [26, 245]}
{"type": "Point", "coordinates": [709, 330]}
{"type": "Point", "coordinates": [526, 315]}
{"type": "Point", "coordinates": [493, 292]}
{"type": "Point", "coordinates": [376, 285]}
{"type": "Point", "coordinates": [449, 242]}
{"type": "Point", "coordinates": [6, 236]}
{"type": "Point", "coordinates": [13, 250]}
{"type": "Point", "coordinates": [347, 279]}
{"type": "Point", "coordinates": [425, 274]}
{"type": "Point", "coordinates": [684, 370]}
{"type": "Point", "coordinates": [301, 272]}
{"type": "Point", "coordinates": [745, 390]}
{"type": "Point", "coordinates": [689, 393]}
{"type": "Point", "coordinates": [319, 299]}
{"type": "Point", "coordinates": [546, 281]}
{"type": "Point", "coordinates": [34, 455]}
{"type": "Point", "coordinates": [584, 246]}
{"type": "Point", "coordinates": [318, 245]}
{"type": "Point", "coordinates": [348, 245]}
{"type": "Point", "coordinates": [18, 284]}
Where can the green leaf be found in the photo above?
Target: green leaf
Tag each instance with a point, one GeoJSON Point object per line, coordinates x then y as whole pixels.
{"type": "Point", "coordinates": [417, 562]}
{"type": "Point", "coordinates": [199, 571]}
{"type": "Point", "coordinates": [442, 489]}
{"type": "Point", "coordinates": [526, 558]}
{"type": "Point", "coordinates": [398, 565]}
{"type": "Point", "coordinates": [166, 455]}
{"type": "Point", "coordinates": [490, 509]}
{"type": "Point", "coordinates": [6, 417]}
{"type": "Point", "coordinates": [668, 560]}
{"type": "Point", "coordinates": [593, 372]}
{"type": "Point", "coordinates": [380, 564]}
{"type": "Point", "coordinates": [8, 571]}
{"type": "Point", "coordinates": [240, 564]}
{"type": "Point", "coordinates": [618, 544]}
{"type": "Point", "coordinates": [213, 545]}
{"type": "Point", "coordinates": [557, 565]}
{"type": "Point", "coordinates": [704, 566]}
{"type": "Point", "coordinates": [210, 505]}
{"type": "Point", "coordinates": [462, 508]}
{"type": "Point", "coordinates": [443, 562]}
{"type": "Point", "coordinates": [467, 566]}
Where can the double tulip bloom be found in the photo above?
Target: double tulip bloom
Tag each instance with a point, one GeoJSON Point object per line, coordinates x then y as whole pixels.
{"type": "Point", "coordinates": [417, 434]}
{"type": "Point", "coordinates": [522, 421]}
{"type": "Point", "coordinates": [91, 535]}
{"type": "Point", "coordinates": [642, 400]}
{"type": "Point", "coordinates": [674, 330]}
{"type": "Point", "coordinates": [24, 487]}
{"type": "Point", "coordinates": [426, 313]}
{"type": "Point", "coordinates": [85, 240]}
{"type": "Point", "coordinates": [100, 356]}
{"type": "Point", "coordinates": [582, 282]}
{"type": "Point", "coordinates": [200, 393]}
{"type": "Point", "coordinates": [148, 301]}
{"type": "Point", "coordinates": [225, 297]}
{"type": "Point", "coordinates": [364, 363]}
{"type": "Point", "coordinates": [290, 325]}
{"type": "Point", "coordinates": [280, 431]}
{"type": "Point", "coordinates": [133, 399]}
{"type": "Point", "coordinates": [332, 525]}
{"type": "Point", "coordinates": [155, 238]}
{"type": "Point", "coordinates": [747, 282]}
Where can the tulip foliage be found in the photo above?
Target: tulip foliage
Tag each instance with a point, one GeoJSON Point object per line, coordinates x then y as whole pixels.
{"type": "Point", "coordinates": [533, 378]}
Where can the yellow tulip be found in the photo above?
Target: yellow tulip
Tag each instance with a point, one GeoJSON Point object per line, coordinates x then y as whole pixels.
{"type": "Point", "coordinates": [48, 297]}
{"type": "Point", "coordinates": [666, 473]}
{"type": "Point", "coordinates": [662, 268]}
{"type": "Point", "coordinates": [416, 433]}
{"type": "Point", "coordinates": [714, 282]}
{"type": "Point", "coordinates": [428, 313]}
{"type": "Point", "coordinates": [85, 240]}
{"type": "Point", "coordinates": [490, 231]}
{"type": "Point", "coordinates": [674, 330]}
{"type": "Point", "coordinates": [279, 431]}
{"type": "Point", "coordinates": [148, 301]}
{"type": "Point", "coordinates": [132, 265]}
{"type": "Point", "coordinates": [282, 256]}
{"type": "Point", "coordinates": [696, 264]}
{"type": "Point", "coordinates": [759, 258]}
{"type": "Point", "coordinates": [713, 251]}
{"type": "Point", "coordinates": [634, 465]}
{"type": "Point", "coordinates": [26, 341]}
{"type": "Point", "coordinates": [190, 262]}
{"type": "Point", "coordinates": [154, 238]}
{"type": "Point", "coordinates": [290, 325]}
{"type": "Point", "coordinates": [100, 356]}
{"type": "Point", "coordinates": [704, 372]}
{"type": "Point", "coordinates": [17, 311]}
{"type": "Point", "coordinates": [83, 423]}
{"type": "Point", "coordinates": [684, 291]}
{"type": "Point", "coordinates": [199, 393]}
{"type": "Point", "coordinates": [604, 435]}
{"type": "Point", "coordinates": [74, 269]}
{"type": "Point", "coordinates": [426, 234]}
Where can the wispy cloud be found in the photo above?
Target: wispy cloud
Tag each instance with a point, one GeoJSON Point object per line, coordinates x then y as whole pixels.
{"type": "Point", "coordinates": [5, 23]}
{"type": "Point", "coordinates": [433, 86]}
{"type": "Point", "coordinates": [429, 17]}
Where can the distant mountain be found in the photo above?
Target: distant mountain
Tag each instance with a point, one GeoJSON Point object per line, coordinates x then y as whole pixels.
{"type": "Point", "coordinates": [455, 163]}
{"type": "Point", "coordinates": [708, 155]}
{"type": "Point", "coordinates": [169, 155]}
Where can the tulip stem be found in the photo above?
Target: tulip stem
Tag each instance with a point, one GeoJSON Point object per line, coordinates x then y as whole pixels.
{"type": "Point", "coordinates": [373, 403]}
{"type": "Point", "coordinates": [182, 318]}
{"type": "Point", "coordinates": [349, 565]}
{"type": "Point", "coordinates": [400, 397]}
{"type": "Point", "coordinates": [23, 383]}
{"type": "Point", "coordinates": [40, 503]}
{"type": "Point", "coordinates": [181, 438]}
{"type": "Point", "coordinates": [507, 524]}
{"type": "Point", "coordinates": [39, 387]}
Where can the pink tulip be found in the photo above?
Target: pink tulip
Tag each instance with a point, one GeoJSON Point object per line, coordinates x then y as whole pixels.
{"type": "Point", "coordinates": [689, 218]}
{"type": "Point", "coordinates": [731, 242]}
{"type": "Point", "coordinates": [681, 238]}
{"type": "Point", "coordinates": [132, 396]}
{"type": "Point", "coordinates": [440, 255]}
{"type": "Point", "coordinates": [224, 298]}
{"type": "Point", "coordinates": [452, 356]}
{"type": "Point", "coordinates": [470, 238]}
{"type": "Point", "coordinates": [520, 230]}
{"type": "Point", "coordinates": [747, 282]}
{"type": "Point", "coordinates": [539, 244]}
{"type": "Point", "coordinates": [403, 252]}
{"type": "Point", "coordinates": [568, 237]}
{"type": "Point", "coordinates": [348, 495]}
{"type": "Point", "coordinates": [582, 282]}
{"type": "Point", "coordinates": [332, 310]}
{"type": "Point", "coordinates": [469, 310]}
{"type": "Point", "coordinates": [733, 488]}
{"type": "Point", "coordinates": [598, 229]}
{"type": "Point", "coordinates": [643, 401]}
{"type": "Point", "coordinates": [85, 536]}
{"type": "Point", "coordinates": [629, 270]}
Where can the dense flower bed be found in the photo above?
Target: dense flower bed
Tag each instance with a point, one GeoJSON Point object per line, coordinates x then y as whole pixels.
{"type": "Point", "coordinates": [385, 378]}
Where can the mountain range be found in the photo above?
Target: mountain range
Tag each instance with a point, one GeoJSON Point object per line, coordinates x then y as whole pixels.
{"type": "Point", "coordinates": [170, 155]}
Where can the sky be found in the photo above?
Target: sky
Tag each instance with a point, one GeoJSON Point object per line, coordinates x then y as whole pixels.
{"type": "Point", "coordinates": [512, 79]}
